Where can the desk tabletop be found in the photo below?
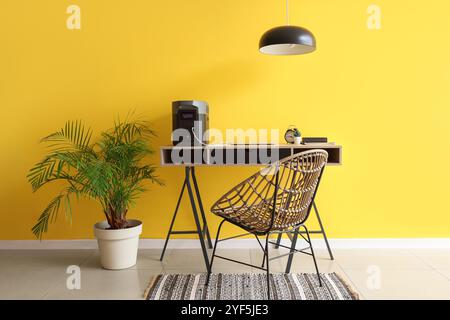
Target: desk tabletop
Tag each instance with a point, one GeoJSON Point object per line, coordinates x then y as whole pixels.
{"type": "Point", "coordinates": [241, 154]}
{"type": "Point", "coordinates": [258, 145]}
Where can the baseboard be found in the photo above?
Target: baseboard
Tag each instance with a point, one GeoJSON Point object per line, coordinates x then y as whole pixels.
{"type": "Point", "coordinates": [381, 243]}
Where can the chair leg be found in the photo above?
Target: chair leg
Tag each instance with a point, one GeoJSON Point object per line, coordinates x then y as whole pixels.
{"type": "Point", "coordinates": [313, 255]}
{"type": "Point", "coordinates": [266, 253]}
{"type": "Point", "coordinates": [263, 250]}
{"type": "Point", "coordinates": [214, 252]}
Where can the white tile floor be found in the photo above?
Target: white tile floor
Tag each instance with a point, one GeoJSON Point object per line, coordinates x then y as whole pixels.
{"type": "Point", "coordinates": [375, 274]}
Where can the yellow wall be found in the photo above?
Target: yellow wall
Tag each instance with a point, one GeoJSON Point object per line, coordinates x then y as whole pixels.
{"type": "Point", "coordinates": [382, 94]}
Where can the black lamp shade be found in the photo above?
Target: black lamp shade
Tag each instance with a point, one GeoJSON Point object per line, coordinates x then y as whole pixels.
{"type": "Point", "coordinates": [287, 40]}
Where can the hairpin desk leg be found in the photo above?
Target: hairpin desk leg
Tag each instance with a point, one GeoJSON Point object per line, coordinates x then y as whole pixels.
{"type": "Point", "coordinates": [173, 220]}
{"type": "Point", "coordinates": [291, 256]}
{"type": "Point", "coordinates": [322, 230]}
{"type": "Point", "coordinates": [199, 230]}
{"type": "Point", "coordinates": [277, 245]}
{"type": "Point", "coordinates": [202, 212]}
{"type": "Point", "coordinates": [197, 220]}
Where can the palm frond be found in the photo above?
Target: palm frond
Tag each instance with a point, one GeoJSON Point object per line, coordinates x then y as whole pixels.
{"type": "Point", "coordinates": [127, 131]}
{"type": "Point", "coordinates": [146, 172]}
{"type": "Point", "coordinates": [97, 177]}
{"type": "Point", "coordinates": [48, 215]}
{"type": "Point", "coordinates": [67, 203]}
{"type": "Point", "coordinates": [74, 135]}
{"type": "Point", "coordinates": [56, 166]}
{"type": "Point", "coordinates": [41, 172]}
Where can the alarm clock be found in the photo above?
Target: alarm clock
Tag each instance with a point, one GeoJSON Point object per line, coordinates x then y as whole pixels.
{"type": "Point", "coordinates": [290, 134]}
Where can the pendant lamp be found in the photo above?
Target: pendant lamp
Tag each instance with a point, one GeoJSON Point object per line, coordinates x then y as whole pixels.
{"type": "Point", "coordinates": [287, 40]}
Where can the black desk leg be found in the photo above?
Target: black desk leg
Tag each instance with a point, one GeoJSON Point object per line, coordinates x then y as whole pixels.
{"type": "Point", "coordinates": [189, 172]}
{"type": "Point", "coordinates": [197, 221]}
{"type": "Point", "coordinates": [291, 256]}
{"type": "Point", "coordinates": [200, 204]}
{"type": "Point", "coordinates": [173, 220]}
{"type": "Point", "coordinates": [321, 231]}
{"type": "Point", "coordinates": [277, 244]}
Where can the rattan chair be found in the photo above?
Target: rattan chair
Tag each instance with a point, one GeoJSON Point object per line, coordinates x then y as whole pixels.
{"type": "Point", "coordinates": [277, 199]}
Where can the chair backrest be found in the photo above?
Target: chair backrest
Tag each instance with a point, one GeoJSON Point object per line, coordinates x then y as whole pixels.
{"type": "Point", "coordinates": [298, 179]}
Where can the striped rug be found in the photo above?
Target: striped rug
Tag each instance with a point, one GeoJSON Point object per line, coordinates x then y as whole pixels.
{"type": "Point", "coordinates": [249, 286]}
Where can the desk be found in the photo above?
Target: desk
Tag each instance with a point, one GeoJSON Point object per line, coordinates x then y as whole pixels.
{"type": "Point", "coordinates": [190, 157]}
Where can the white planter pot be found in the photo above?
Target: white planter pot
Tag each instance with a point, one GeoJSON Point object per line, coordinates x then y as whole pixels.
{"type": "Point", "coordinates": [118, 248]}
{"type": "Point", "coordinates": [297, 140]}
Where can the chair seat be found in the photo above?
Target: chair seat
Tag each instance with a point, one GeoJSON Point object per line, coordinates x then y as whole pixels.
{"type": "Point", "coordinates": [251, 219]}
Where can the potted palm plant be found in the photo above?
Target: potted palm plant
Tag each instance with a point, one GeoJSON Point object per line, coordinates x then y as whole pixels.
{"type": "Point", "coordinates": [111, 170]}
